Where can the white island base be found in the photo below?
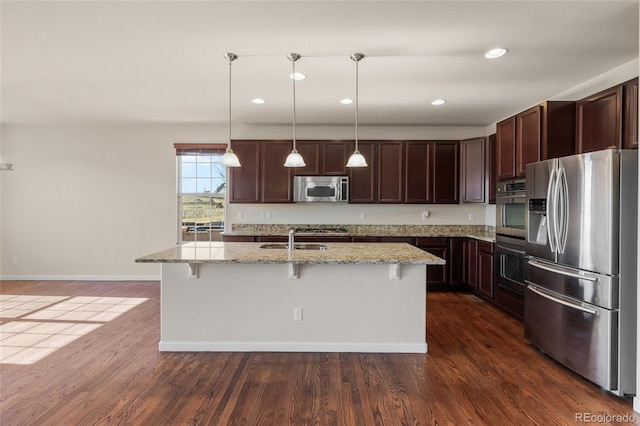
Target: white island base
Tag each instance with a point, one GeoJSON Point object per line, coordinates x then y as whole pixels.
{"type": "Point", "coordinates": [250, 307]}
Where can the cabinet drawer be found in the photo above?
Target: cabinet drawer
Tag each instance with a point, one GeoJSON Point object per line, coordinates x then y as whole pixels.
{"type": "Point", "coordinates": [432, 242]}
{"type": "Point", "coordinates": [485, 247]}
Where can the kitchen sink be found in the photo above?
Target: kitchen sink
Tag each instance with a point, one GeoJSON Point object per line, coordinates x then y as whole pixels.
{"type": "Point", "coordinates": [295, 246]}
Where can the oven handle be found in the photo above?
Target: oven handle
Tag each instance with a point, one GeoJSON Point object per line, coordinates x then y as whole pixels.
{"type": "Point", "coordinates": [509, 289]}
{"type": "Point", "coordinates": [500, 247]}
{"type": "Point", "coordinates": [506, 196]}
{"type": "Point", "coordinates": [560, 301]}
{"type": "Point", "coordinates": [562, 271]}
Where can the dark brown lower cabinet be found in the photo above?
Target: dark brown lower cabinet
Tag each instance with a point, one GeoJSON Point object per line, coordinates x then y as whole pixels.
{"type": "Point", "coordinates": [471, 263]}
{"type": "Point", "coordinates": [485, 269]}
{"type": "Point", "coordinates": [238, 238]}
{"type": "Point", "coordinates": [437, 275]}
{"type": "Point", "coordinates": [457, 263]}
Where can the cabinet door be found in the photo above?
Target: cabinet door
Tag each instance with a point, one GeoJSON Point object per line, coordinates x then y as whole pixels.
{"type": "Point", "coordinates": [310, 151]}
{"type": "Point", "coordinates": [457, 262]}
{"type": "Point", "coordinates": [485, 273]}
{"type": "Point", "coordinates": [527, 139]}
{"type": "Point", "coordinates": [362, 180]}
{"type": "Point", "coordinates": [276, 179]}
{"type": "Point", "coordinates": [437, 275]}
{"type": "Point", "coordinates": [472, 170]}
{"type": "Point", "coordinates": [390, 172]}
{"type": "Point", "coordinates": [491, 169]}
{"type": "Point", "coordinates": [630, 119]}
{"type": "Point", "coordinates": [558, 129]}
{"type": "Point", "coordinates": [244, 181]}
{"type": "Point", "coordinates": [599, 121]}
{"type": "Point", "coordinates": [445, 172]}
{"type": "Point", "coordinates": [334, 158]}
{"type": "Point", "coordinates": [506, 148]}
{"type": "Point", "coordinates": [471, 246]}
{"type": "Point", "coordinates": [418, 182]}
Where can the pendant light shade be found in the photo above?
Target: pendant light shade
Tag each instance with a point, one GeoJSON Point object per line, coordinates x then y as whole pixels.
{"type": "Point", "coordinates": [294, 159]}
{"type": "Point", "coordinates": [356, 159]}
{"type": "Point", "coordinates": [230, 159]}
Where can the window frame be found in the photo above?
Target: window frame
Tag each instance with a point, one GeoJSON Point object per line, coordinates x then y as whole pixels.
{"type": "Point", "coordinates": [184, 149]}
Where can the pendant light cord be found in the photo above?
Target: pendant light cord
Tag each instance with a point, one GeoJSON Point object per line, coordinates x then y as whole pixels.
{"type": "Point", "coordinates": [229, 146]}
{"type": "Point", "coordinates": [357, 106]}
{"type": "Point", "coordinates": [294, 102]}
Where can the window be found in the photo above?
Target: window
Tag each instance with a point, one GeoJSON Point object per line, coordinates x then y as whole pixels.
{"type": "Point", "coordinates": [201, 191]}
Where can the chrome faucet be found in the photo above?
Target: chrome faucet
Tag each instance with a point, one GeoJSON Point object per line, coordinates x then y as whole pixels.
{"type": "Point", "coordinates": [291, 239]}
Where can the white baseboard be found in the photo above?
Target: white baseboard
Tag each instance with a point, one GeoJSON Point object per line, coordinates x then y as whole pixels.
{"type": "Point", "coordinates": [80, 277]}
{"type": "Point", "coordinates": [419, 348]}
{"type": "Point", "coordinates": [636, 404]}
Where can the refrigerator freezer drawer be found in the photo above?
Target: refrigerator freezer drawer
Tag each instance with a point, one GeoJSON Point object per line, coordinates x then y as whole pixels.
{"type": "Point", "coordinates": [582, 337]}
{"type": "Point", "coordinates": [596, 289]}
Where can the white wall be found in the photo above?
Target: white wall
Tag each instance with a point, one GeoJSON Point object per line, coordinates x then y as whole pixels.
{"type": "Point", "coordinates": [85, 200]}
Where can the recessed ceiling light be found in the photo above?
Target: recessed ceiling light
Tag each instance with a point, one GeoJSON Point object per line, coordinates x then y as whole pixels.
{"type": "Point", "coordinates": [438, 102]}
{"type": "Point", "coordinates": [496, 53]}
{"type": "Point", "coordinates": [258, 101]}
{"type": "Point", "coordinates": [346, 101]}
{"type": "Point", "coordinates": [297, 76]}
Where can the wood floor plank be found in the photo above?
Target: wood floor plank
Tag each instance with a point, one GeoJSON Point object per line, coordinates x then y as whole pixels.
{"type": "Point", "coordinates": [479, 370]}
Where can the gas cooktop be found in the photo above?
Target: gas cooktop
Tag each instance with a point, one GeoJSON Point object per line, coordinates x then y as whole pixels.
{"type": "Point", "coordinates": [321, 230]}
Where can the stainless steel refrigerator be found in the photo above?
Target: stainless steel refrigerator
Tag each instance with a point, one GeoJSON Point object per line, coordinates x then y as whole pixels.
{"type": "Point", "coordinates": [580, 272]}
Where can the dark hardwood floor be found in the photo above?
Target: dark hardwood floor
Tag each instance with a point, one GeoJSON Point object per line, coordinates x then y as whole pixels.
{"type": "Point", "coordinates": [479, 370]}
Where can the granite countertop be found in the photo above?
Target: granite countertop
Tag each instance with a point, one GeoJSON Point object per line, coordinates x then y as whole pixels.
{"type": "Point", "coordinates": [479, 232]}
{"type": "Point", "coordinates": [336, 253]}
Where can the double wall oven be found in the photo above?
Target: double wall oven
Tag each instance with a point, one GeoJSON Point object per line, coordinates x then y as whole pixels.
{"type": "Point", "coordinates": [509, 249]}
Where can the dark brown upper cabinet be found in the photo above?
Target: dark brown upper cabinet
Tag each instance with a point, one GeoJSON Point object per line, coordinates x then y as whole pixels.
{"type": "Point", "coordinates": [276, 179]}
{"type": "Point", "coordinates": [599, 121]}
{"type": "Point", "coordinates": [528, 132]}
{"type": "Point", "coordinates": [506, 148]}
{"type": "Point", "coordinates": [445, 172]}
{"type": "Point", "coordinates": [334, 158]}
{"type": "Point", "coordinates": [491, 169]}
{"type": "Point", "coordinates": [323, 158]}
{"type": "Point", "coordinates": [473, 170]}
{"type": "Point", "coordinates": [418, 185]}
{"type": "Point", "coordinates": [390, 172]}
{"type": "Point", "coordinates": [244, 181]}
{"type": "Point", "coordinates": [630, 118]}
{"type": "Point", "coordinates": [363, 180]}
{"type": "Point", "coordinates": [542, 132]}
{"type": "Point", "coordinates": [310, 151]}
{"type": "Point", "coordinates": [262, 178]}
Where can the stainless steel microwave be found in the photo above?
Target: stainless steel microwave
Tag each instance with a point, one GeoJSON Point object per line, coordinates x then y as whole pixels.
{"type": "Point", "coordinates": [332, 189]}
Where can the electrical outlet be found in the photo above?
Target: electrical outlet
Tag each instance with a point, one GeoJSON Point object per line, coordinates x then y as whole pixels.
{"type": "Point", "coordinates": [263, 215]}
{"type": "Point", "coordinates": [425, 214]}
{"type": "Point", "coordinates": [297, 314]}
{"type": "Point", "coordinates": [268, 215]}
{"type": "Point", "coordinates": [470, 216]}
{"type": "Point", "coordinates": [363, 215]}
{"type": "Point", "coordinates": [240, 215]}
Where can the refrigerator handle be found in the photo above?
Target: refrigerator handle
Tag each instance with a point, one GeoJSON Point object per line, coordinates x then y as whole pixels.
{"type": "Point", "coordinates": [563, 217]}
{"type": "Point", "coordinates": [562, 271]}
{"type": "Point", "coordinates": [551, 232]}
{"type": "Point", "coordinates": [562, 302]}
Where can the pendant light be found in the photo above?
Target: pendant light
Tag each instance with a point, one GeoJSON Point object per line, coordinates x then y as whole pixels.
{"type": "Point", "coordinates": [229, 159]}
{"type": "Point", "coordinates": [294, 159]}
{"type": "Point", "coordinates": [357, 159]}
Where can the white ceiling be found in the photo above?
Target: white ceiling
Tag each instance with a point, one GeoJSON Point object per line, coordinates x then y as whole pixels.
{"type": "Point", "coordinates": [154, 61]}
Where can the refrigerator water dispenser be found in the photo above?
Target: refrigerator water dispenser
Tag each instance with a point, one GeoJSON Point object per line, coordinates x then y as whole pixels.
{"type": "Point", "coordinates": [537, 229]}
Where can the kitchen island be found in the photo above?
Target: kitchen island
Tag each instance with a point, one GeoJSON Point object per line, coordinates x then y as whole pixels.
{"type": "Point", "coordinates": [345, 297]}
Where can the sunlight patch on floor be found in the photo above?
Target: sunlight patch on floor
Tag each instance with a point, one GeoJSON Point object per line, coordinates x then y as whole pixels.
{"type": "Point", "coordinates": [32, 327]}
